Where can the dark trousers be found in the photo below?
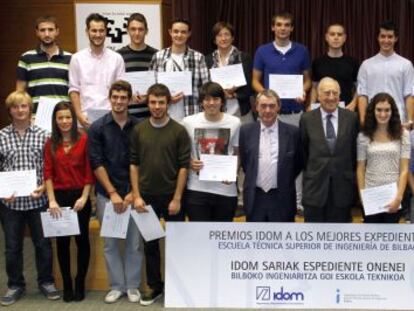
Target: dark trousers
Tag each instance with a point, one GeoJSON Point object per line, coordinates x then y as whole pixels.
{"type": "Point", "coordinates": [68, 198]}
{"type": "Point", "coordinates": [266, 208]}
{"type": "Point", "coordinates": [330, 212]}
{"type": "Point", "coordinates": [152, 249]}
{"type": "Point", "coordinates": [13, 223]}
{"type": "Point", "coordinates": [383, 218]}
{"type": "Point", "coordinates": [204, 206]}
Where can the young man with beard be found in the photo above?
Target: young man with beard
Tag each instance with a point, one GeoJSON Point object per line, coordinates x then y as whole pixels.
{"type": "Point", "coordinates": [160, 157]}
{"type": "Point", "coordinates": [93, 70]}
{"type": "Point", "coordinates": [44, 71]}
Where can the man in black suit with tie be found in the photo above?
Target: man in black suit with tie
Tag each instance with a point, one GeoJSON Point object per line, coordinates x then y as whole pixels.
{"type": "Point", "coordinates": [270, 157]}
{"type": "Point", "coordinates": [328, 137]}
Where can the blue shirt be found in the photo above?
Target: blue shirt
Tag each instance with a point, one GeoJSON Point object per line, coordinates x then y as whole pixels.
{"type": "Point", "coordinates": [108, 146]}
{"type": "Point", "coordinates": [268, 60]}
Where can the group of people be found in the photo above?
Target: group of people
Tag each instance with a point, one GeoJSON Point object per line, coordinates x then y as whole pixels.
{"type": "Point", "coordinates": [146, 150]}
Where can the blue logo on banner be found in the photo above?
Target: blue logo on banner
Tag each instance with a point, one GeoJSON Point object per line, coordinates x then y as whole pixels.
{"type": "Point", "coordinates": [338, 296]}
{"type": "Point", "coordinates": [264, 294]}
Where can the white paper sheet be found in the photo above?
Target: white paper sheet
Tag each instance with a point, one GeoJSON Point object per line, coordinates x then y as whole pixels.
{"type": "Point", "coordinates": [19, 183]}
{"type": "Point", "coordinates": [66, 225]}
{"type": "Point", "coordinates": [228, 76]}
{"type": "Point", "coordinates": [115, 225]}
{"type": "Point", "coordinates": [140, 81]}
{"type": "Point", "coordinates": [44, 112]}
{"type": "Point", "coordinates": [375, 199]}
{"type": "Point", "coordinates": [95, 114]}
{"type": "Point", "coordinates": [287, 86]}
{"type": "Point", "coordinates": [177, 81]}
{"type": "Point", "coordinates": [218, 167]}
{"type": "Point", "coordinates": [317, 105]}
{"type": "Point", "coordinates": [148, 224]}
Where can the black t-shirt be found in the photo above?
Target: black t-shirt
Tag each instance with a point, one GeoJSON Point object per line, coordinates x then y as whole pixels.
{"type": "Point", "coordinates": [344, 69]}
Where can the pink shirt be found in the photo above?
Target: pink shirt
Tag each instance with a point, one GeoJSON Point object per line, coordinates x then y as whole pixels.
{"type": "Point", "coordinates": [91, 75]}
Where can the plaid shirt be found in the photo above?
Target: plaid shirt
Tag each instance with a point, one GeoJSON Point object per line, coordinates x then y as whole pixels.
{"type": "Point", "coordinates": [193, 61]}
{"type": "Point", "coordinates": [19, 153]}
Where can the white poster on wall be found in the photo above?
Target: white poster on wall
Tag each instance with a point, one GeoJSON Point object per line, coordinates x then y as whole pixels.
{"type": "Point", "coordinates": [295, 266]}
{"type": "Point", "coordinates": [117, 15]}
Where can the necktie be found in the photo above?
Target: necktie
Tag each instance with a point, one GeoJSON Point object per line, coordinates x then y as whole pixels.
{"type": "Point", "coordinates": [330, 133]}
{"type": "Point", "coordinates": [267, 172]}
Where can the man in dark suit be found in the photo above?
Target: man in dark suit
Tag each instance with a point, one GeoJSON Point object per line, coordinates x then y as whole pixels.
{"type": "Point", "coordinates": [328, 137]}
{"type": "Point", "coordinates": [270, 157]}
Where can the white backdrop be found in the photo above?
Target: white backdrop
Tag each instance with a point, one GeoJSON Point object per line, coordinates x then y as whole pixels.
{"type": "Point", "coordinates": [117, 14]}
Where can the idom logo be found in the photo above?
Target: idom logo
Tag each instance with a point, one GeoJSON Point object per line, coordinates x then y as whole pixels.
{"type": "Point", "coordinates": [264, 294]}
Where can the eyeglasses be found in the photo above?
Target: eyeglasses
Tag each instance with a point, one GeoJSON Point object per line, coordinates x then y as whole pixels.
{"type": "Point", "coordinates": [330, 93]}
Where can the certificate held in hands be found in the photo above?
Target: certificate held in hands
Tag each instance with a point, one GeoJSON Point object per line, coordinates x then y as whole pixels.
{"type": "Point", "coordinates": [177, 81]}
{"type": "Point", "coordinates": [140, 81]}
{"type": "Point", "coordinates": [375, 199]}
{"type": "Point", "coordinates": [44, 113]}
{"type": "Point", "coordinates": [218, 167]}
{"type": "Point", "coordinates": [228, 76]}
{"type": "Point", "coordinates": [287, 86]}
{"type": "Point", "coordinates": [17, 183]}
{"type": "Point", "coordinates": [115, 225]}
{"type": "Point", "coordinates": [65, 225]}
{"type": "Point", "coordinates": [148, 224]}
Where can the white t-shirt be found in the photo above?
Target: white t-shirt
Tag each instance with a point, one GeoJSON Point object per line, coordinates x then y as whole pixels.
{"type": "Point", "coordinates": [176, 63]}
{"type": "Point", "coordinates": [219, 137]}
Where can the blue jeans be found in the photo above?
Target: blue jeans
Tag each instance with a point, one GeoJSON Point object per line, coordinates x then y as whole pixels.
{"type": "Point", "coordinates": [13, 223]}
{"type": "Point", "coordinates": [124, 270]}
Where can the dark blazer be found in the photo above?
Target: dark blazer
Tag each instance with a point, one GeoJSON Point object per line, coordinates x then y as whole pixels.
{"type": "Point", "coordinates": [288, 167]}
{"type": "Point", "coordinates": [322, 169]}
{"type": "Point", "coordinates": [243, 93]}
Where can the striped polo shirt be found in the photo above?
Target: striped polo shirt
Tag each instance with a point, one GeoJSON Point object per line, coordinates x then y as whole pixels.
{"type": "Point", "coordinates": [137, 61]}
{"type": "Point", "coordinates": [45, 77]}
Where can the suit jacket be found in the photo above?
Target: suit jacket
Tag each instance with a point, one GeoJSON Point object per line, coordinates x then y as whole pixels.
{"type": "Point", "coordinates": [288, 167]}
{"type": "Point", "coordinates": [323, 169]}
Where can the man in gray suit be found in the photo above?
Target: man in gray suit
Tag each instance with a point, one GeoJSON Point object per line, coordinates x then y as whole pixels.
{"type": "Point", "coordinates": [328, 136]}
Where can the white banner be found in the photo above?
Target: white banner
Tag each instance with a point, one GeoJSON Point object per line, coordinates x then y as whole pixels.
{"type": "Point", "coordinates": [289, 265]}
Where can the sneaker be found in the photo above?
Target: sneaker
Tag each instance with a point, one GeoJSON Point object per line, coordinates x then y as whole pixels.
{"type": "Point", "coordinates": [12, 295]}
{"type": "Point", "coordinates": [113, 296]}
{"type": "Point", "coordinates": [50, 291]}
{"type": "Point", "coordinates": [133, 295]}
{"type": "Point", "coordinates": [149, 299]}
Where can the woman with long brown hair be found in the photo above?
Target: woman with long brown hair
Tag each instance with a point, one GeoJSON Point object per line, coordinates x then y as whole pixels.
{"type": "Point", "coordinates": [68, 177]}
{"type": "Point", "coordinates": [383, 154]}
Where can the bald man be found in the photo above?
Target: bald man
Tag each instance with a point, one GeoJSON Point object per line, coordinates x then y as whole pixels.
{"type": "Point", "coordinates": [329, 148]}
